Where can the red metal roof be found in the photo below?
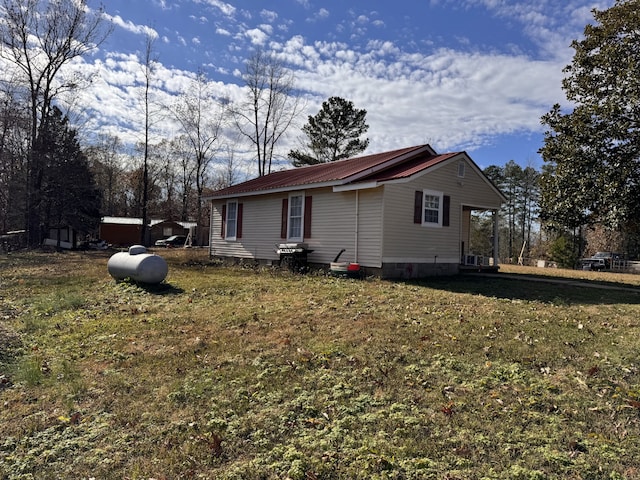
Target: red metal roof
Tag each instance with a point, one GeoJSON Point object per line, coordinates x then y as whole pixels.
{"type": "Point", "coordinates": [384, 166]}
{"type": "Point", "coordinates": [410, 167]}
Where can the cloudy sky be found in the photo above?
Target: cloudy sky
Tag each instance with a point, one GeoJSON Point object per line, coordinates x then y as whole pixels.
{"type": "Point", "coordinates": [472, 75]}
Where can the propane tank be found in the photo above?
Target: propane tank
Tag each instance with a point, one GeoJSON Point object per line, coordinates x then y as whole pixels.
{"type": "Point", "coordinates": [138, 265]}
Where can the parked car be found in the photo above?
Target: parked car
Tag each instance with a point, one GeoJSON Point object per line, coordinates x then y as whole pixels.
{"type": "Point", "coordinates": [600, 261]}
{"type": "Point", "coordinates": [172, 241]}
{"type": "Point", "coordinates": [97, 245]}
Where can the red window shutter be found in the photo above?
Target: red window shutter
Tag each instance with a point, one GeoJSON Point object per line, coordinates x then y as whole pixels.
{"type": "Point", "coordinates": [446, 206]}
{"type": "Point", "coordinates": [239, 222]}
{"type": "Point", "coordinates": [417, 207]}
{"type": "Point", "coordinates": [307, 217]}
{"type": "Point", "coordinates": [224, 220]}
{"type": "Point", "coordinates": [285, 214]}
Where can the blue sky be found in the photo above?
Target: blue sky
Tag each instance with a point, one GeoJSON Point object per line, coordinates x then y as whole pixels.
{"type": "Point", "coordinates": [472, 75]}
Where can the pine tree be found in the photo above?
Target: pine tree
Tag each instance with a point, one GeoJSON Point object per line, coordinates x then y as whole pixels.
{"type": "Point", "coordinates": [333, 134]}
{"type": "Point", "coordinates": [71, 198]}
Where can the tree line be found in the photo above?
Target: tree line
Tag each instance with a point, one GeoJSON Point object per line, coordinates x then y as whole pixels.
{"type": "Point", "coordinates": [587, 196]}
{"type": "Point", "coordinates": [155, 178]}
{"type": "Point", "coordinates": [591, 177]}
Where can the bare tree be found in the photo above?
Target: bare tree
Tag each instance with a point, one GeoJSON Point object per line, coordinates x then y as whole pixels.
{"type": "Point", "coordinates": [39, 37]}
{"type": "Point", "coordinates": [175, 176]}
{"type": "Point", "coordinates": [227, 174]}
{"type": "Point", "coordinates": [201, 117]}
{"type": "Point", "coordinates": [270, 107]}
{"type": "Point", "coordinates": [149, 69]}
{"type": "Point", "coordinates": [107, 167]}
{"type": "Point", "coordinates": [14, 127]}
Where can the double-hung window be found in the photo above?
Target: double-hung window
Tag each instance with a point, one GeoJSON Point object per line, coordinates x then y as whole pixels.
{"type": "Point", "coordinates": [296, 216]}
{"type": "Point", "coordinates": [231, 229]}
{"type": "Point", "coordinates": [431, 208]}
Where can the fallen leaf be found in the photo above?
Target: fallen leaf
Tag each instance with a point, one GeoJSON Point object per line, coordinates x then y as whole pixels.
{"type": "Point", "coordinates": [634, 403]}
{"type": "Point", "coordinates": [448, 409]}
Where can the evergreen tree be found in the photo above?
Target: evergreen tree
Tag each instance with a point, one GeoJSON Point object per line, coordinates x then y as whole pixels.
{"type": "Point", "coordinates": [332, 134]}
{"type": "Point", "coordinates": [70, 195]}
{"type": "Point", "coordinates": [592, 154]}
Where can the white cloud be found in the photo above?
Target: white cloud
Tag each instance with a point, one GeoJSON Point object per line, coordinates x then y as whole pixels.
{"type": "Point", "coordinates": [225, 8]}
{"type": "Point", "coordinates": [162, 4]}
{"type": "Point", "coordinates": [269, 15]}
{"type": "Point", "coordinates": [257, 36]}
{"type": "Point", "coordinates": [548, 23]}
{"type": "Point", "coordinates": [319, 15]}
{"type": "Point", "coordinates": [131, 27]}
{"type": "Point", "coordinates": [459, 99]}
{"type": "Point", "coordinates": [266, 28]}
{"type": "Point", "coordinates": [200, 19]}
{"type": "Point", "coordinates": [322, 13]}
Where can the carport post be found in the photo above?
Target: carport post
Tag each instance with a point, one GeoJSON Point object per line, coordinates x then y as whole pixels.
{"type": "Point", "coordinates": [495, 238]}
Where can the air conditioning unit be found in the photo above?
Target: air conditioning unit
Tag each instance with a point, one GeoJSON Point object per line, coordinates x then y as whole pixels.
{"type": "Point", "coordinates": [475, 260]}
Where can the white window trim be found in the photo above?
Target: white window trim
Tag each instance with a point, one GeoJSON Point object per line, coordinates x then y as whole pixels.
{"type": "Point", "coordinates": [440, 196]}
{"type": "Point", "coordinates": [235, 222]}
{"type": "Point", "coordinates": [301, 237]}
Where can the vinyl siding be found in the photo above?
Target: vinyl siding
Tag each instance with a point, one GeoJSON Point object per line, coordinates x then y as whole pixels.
{"type": "Point", "coordinates": [332, 223]}
{"type": "Point", "coordinates": [333, 227]}
{"type": "Point", "coordinates": [405, 241]}
{"type": "Point", "coordinates": [370, 227]}
{"type": "Point", "coordinates": [260, 229]}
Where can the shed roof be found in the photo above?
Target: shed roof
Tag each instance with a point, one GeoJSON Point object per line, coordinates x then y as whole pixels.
{"type": "Point", "coordinates": [138, 221]}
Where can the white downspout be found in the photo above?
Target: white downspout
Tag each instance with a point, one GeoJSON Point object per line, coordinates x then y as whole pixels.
{"type": "Point", "coordinates": [357, 223]}
{"type": "Point", "coordinates": [495, 238]}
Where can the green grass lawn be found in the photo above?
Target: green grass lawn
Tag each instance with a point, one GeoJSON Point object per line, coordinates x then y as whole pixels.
{"type": "Point", "coordinates": [240, 373]}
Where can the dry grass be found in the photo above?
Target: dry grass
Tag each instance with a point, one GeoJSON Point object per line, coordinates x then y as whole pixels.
{"type": "Point", "coordinates": [258, 374]}
{"type": "Point", "coordinates": [615, 278]}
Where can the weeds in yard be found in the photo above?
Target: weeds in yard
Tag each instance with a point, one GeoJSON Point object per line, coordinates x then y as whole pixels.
{"type": "Point", "coordinates": [243, 373]}
{"type": "Point", "coordinates": [30, 370]}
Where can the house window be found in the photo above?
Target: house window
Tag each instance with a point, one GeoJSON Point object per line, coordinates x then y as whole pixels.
{"type": "Point", "coordinates": [295, 217]}
{"type": "Point", "coordinates": [432, 208]}
{"type": "Point", "coordinates": [231, 229]}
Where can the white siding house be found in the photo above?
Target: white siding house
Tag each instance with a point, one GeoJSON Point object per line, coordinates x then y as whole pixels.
{"type": "Point", "coordinates": [404, 213]}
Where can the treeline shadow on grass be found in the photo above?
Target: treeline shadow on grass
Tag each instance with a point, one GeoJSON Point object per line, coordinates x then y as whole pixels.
{"type": "Point", "coordinates": [531, 288]}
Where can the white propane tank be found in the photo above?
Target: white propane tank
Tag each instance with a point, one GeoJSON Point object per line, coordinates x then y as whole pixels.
{"type": "Point", "coordinates": [138, 265]}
